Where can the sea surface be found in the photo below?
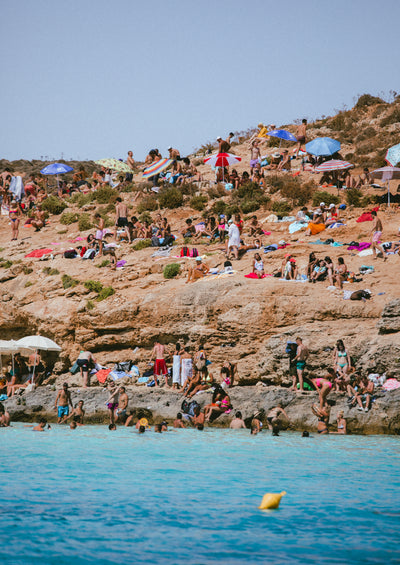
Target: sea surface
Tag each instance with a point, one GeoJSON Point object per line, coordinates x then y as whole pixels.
{"type": "Point", "coordinates": [188, 497]}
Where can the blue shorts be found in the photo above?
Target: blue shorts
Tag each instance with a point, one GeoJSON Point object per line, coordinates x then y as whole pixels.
{"type": "Point", "coordinates": [63, 411]}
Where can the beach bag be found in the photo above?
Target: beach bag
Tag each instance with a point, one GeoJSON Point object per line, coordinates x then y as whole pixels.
{"type": "Point", "coordinates": [74, 369]}
{"type": "Point", "coordinates": [70, 254]}
{"type": "Point", "coordinates": [185, 252]}
{"type": "Point", "coordinates": [188, 407]}
{"type": "Point", "coordinates": [168, 240]}
{"type": "Point", "coordinates": [194, 252]}
{"type": "Point", "coordinates": [124, 366]}
{"type": "Point", "coordinates": [155, 242]}
{"type": "Point", "coordinates": [290, 347]}
{"type": "Point", "coordinates": [89, 254]}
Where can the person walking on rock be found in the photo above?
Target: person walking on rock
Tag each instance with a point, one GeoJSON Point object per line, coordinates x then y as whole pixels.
{"type": "Point", "coordinates": [301, 358]}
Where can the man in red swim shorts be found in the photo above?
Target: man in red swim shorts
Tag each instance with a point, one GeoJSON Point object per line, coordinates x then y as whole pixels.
{"type": "Point", "coordinates": [160, 367]}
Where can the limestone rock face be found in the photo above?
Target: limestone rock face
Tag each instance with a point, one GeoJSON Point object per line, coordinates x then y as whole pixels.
{"type": "Point", "coordinates": [158, 404]}
{"type": "Point", "coordinates": [390, 320]}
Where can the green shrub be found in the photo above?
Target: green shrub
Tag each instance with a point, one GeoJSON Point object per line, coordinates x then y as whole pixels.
{"type": "Point", "coordinates": [170, 198]}
{"type": "Point", "coordinates": [85, 222]}
{"type": "Point", "coordinates": [170, 271]}
{"type": "Point", "coordinates": [54, 205]}
{"type": "Point", "coordinates": [93, 286]}
{"type": "Point", "coordinates": [188, 188]}
{"type": "Point", "coordinates": [105, 293]}
{"type": "Point", "coordinates": [149, 203]}
{"type": "Point", "coordinates": [275, 183]}
{"type": "Point", "coordinates": [368, 100]}
{"type": "Point", "coordinates": [104, 263]}
{"type": "Point", "coordinates": [366, 201]}
{"type": "Point", "coordinates": [299, 194]}
{"type": "Point", "coordinates": [281, 208]}
{"type": "Point", "coordinates": [90, 305]}
{"type": "Point", "coordinates": [28, 283]}
{"type": "Point", "coordinates": [50, 272]}
{"type": "Point", "coordinates": [218, 207]}
{"type": "Point", "coordinates": [68, 282]}
{"type": "Point", "coordinates": [127, 188]}
{"type": "Point", "coordinates": [68, 218]}
{"type": "Point", "coordinates": [323, 196]}
{"type": "Point", "coordinates": [106, 194]}
{"type": "Point", "coordinates": [248, 206]}
{"type": "Point", "coordinates": [198, 202]}
{"type": "Point", "coordinates": [27, 270]}
{"type": "Point", "coordinates": [5, 263]}
{"type": "Point", "coordinates": [232, 209]}
{"type": "Point", "coordinates": [216, 191]}
{"type": "Point", "coordinates": [145, 217]}
{"type": "Point", "coordinates": [141, 244]}
{"type": "Point", "coordinates": [82, 199]}
{"type": "Point", "coordinates": [353, 197]}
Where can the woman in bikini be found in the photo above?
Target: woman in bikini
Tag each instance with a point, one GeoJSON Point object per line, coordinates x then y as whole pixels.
{"type": "Point", "coordinates": [258, 266]}
{"type": "Point", "coordinates": [341, 359]}
{"type": "Point", "coordinates": [341, 424]}
{"type": "Point", "coordinates": [324, 386]}
{"type": "Point", "coordinates": [323, 418]}
{"type": "Point", "coordinates": [220, 404]}
{"type": "Point", "coordinates": [341, 272]}
{"type": "Point", "coordinates": [14, 215]}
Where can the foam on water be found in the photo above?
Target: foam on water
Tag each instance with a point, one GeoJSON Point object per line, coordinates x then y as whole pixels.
{"type": "Point", "coordinates": [94, 496]}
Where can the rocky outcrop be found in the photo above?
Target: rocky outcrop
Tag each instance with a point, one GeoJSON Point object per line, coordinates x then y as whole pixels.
{"type": "Point", "coordinates": [159, 404]}
{"type": "Point", "coordinates": [390, 320]}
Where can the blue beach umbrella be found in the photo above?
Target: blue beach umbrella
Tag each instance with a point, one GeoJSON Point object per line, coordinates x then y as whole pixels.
{"type": "Point", "coordinates": [56, 169]}
{"type": "Point", "coordinates": [322, 146]}
{"type": "Point", "coordinates": [282, 134]}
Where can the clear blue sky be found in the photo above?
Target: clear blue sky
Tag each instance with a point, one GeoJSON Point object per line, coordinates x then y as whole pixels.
{"type": "Point", "coordinates": [93, 79]}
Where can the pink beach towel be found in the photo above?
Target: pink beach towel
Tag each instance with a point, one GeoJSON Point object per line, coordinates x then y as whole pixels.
{"type": "Point", "coordinates": [254, 276]}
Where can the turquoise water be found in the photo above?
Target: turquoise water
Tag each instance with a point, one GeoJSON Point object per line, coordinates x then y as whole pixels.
{"type": "Point", "coordinates": [95, 496]}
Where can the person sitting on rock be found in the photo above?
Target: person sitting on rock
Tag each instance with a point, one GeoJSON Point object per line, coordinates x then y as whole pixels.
{"type": "Point", "coordinates": [206, 381]}
{"type": "Point", "coordinates": [221, 404]}
{"type": "Point", "coordinates": [197, 272]}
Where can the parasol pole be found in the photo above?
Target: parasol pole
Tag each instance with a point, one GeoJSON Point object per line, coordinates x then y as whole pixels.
{"type": "Point", "coordinates": [388, 183]}
{"type": "Point", "coordinates": [33, 374]}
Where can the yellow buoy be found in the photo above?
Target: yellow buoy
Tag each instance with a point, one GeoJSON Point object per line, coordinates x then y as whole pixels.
{"type": "Point", "coordinates": [271, 500]}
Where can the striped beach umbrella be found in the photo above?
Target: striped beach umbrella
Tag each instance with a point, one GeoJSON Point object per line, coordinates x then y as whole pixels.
{"type": "Point", "coordinates": [157, 167]}
{"type": "Point", "coordinates": [333, 165]}
{"type": "Point", "coordinates": [222, 160]}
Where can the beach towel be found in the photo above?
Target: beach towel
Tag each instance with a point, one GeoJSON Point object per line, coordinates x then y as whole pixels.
{"type": "Point", "coordinates": [297, 226]}
{"type": "Point", "coordinates": [359, 246]}
{"type": "Point", "coordinates": [102, 375]}
{"type": "Point", "coordinates": [17, 188]}
{"type": "Point", "coordinates": [335, 225]}
{"type": "Point", "coordinates": [365, 253]}
{"type": "Point", "coordinates": [272, 247]}
{"type": "Point", "coordinates": [391, 384]}
{"type": "Point", "coordinates": [315, 228]}
{"type": "Point", "coordinates": [120, 263]}
{"type": "Point", "coordinates": [39, 253]}
{"type": "Point", "coordinates": [254, 276]}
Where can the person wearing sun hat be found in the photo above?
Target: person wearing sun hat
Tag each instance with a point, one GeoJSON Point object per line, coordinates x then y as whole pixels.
{"type": "Point", "coordinates": [198, 271]}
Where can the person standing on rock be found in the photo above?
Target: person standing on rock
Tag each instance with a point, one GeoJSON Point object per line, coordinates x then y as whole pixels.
{"type": "Point", "coordinates": [301, 358]}
{"type": "Point", "coordinates": [121, 414]}
{"type": "Point", "coordinates": [186, 367]}
{"type": "Point", "coordinates": [63, 402]}
{"type": "Point", "coordinates": [376, 235]}
{"type": "Point", "coordinates": [83, 362]}
{"type": "Point", "coordinates": [160, 367]}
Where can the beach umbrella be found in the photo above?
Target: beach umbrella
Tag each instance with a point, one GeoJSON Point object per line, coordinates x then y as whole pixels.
{"type": "Point", "coordinates": [37, 342]}
{"type": "Point", "coordinates": [157, 167]}
{"type": "Point", "coordinates": [114, 164]}
{"type": "Point", "coordinates": [333, 165]}
{"type": "Point", "coordinates": [222, 160]}
{"type": "Point", "coordinates": [386, 174]}
{"type": "Point", "coordinates": [56, 169]}
{"type": "Point", "coordinates": [393, 155]}
{"type": "Point", "coordinates": [282, 134]}
{"type": "Point", "coordinates": [10, 347]}
{"type": "Point", "coordinates": [322, 146]}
